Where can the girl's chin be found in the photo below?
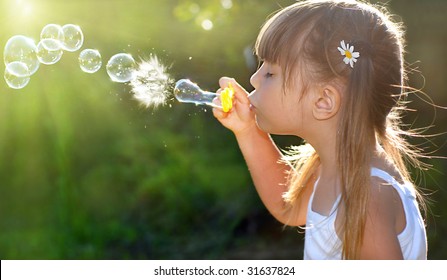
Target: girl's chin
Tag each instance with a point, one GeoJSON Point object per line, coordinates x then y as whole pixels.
{"type": "Point", "coordinates": [262, 125]}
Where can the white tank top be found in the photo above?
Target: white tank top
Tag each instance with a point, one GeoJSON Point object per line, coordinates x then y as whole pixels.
{"type": "Point", "coordinates": [321, 240]}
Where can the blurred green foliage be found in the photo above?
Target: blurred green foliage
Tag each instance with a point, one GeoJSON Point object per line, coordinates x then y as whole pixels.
{"type": "Point", "coordinates": [86, 173]}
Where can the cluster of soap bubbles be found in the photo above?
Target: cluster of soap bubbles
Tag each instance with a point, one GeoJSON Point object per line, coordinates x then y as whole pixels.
{"type": "Point", "coordinates": [22, 56]}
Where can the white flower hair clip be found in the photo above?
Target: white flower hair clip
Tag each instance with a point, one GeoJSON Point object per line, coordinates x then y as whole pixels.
{"type": "Point", "coordinates": [349, 54]}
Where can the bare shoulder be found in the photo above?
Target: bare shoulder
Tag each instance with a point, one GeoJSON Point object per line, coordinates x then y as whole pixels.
{"type": "Point", "coordinates": [383, 197]}
{"type": "Point", "coordinates": [383, 222]}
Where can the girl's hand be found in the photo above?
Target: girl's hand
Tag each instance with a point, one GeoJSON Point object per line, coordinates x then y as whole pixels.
{"type": "Point", "coordinates": [240, 118]}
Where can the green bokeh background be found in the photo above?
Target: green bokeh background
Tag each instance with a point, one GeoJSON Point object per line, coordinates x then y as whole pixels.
{"type": "Point", "coordinates": [87, 173]}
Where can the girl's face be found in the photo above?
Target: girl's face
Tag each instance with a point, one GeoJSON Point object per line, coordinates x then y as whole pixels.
{"type": "Point", "coordinates": [277, 112]}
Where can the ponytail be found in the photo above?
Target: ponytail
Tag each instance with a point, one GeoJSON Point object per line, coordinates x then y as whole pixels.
{"type": "Point", "coordinates": [354, 146]}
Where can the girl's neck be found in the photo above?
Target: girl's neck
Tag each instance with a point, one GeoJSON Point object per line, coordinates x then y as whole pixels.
{"type": "Point", "coordinates": [327, 153]}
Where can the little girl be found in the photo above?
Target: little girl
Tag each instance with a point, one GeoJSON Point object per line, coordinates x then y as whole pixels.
{"type": "Point", "coordinates": [332, 74]}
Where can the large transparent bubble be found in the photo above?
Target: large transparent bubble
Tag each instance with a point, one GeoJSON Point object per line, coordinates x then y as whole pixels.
{"type": "Point", "coordinates": [22, 49]}
{"type": "Point", "coordinates": [73, 37]}
{"type": "Point", "coordinates": [90, 60]}
{"type": "Point", "coordinates": [49, 51]}
{"type": "Point", "coordinates": [189, 92]}
{"type": "Point", "coordinates": [17, 75]}
{"type": "Point", "coordinates": [121, 68]}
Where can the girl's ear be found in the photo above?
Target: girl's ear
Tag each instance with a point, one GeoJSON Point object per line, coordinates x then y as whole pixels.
{"type": "Point", "coordinates": [326, 103]}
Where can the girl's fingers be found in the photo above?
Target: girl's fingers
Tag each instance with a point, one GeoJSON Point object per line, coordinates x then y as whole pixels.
{"type": "Point", "coordinates": [219, 114]}
{"type": "Point", "coordinates": [240, 93]}
{"type": "Point", "coordinates": [217, 110]}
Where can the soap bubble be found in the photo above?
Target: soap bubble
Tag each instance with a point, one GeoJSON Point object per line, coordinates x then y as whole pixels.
{"type": "Point", "coordinates": [17, 75]}
{"type": "Point", "coordinates": [90, 60]}
{"type": "Point", "coordinates": [73, 37]}
{"type": "Point", "coordinates": [121, 67]}
{"type": "Point", "coordinates": [189, 92]}
{"type": "Point", "coordinates": [52, 31]}
{"type": "Point", "coordinates": [23, 49]}
{"type": "Point", "coordinates": [49, 51]}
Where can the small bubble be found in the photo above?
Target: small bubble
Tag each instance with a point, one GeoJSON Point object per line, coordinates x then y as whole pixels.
{"type": "Point", "coordinates": [73, 37]}
{"type": "Point", "coordinates": [17, 75]}
{"type": "Point", "coordinates": [49, 51]}
{"type": "Point", "coordinates": [121, 67]}
{"type": "Point", "coordinates": [90, 60]}
{"type": "Point", "coordinates": [52, 31]}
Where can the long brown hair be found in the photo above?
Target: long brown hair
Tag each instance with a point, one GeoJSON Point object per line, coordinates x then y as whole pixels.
{"type": "Point", "coordinates": [303, 39]}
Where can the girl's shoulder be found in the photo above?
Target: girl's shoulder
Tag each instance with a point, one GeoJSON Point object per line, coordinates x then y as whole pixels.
{"type": "Point", "coordinates": [385, 170]}
{"type": "Point", "coordinates": [387, 187]}
{"type": "Point", "coordinates": [385, 218]}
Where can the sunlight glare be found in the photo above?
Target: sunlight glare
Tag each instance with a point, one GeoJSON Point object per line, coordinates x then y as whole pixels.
{"type": "Point", "coordinates": [23, 7]}
{"type": "Point", "coordinates": [207, 24]}
{"type": "Point", "coordinates": [226, 4]}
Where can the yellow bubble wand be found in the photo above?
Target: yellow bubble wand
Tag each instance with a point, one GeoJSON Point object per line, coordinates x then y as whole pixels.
{"type": "Point", "coordinates": [226, 98]}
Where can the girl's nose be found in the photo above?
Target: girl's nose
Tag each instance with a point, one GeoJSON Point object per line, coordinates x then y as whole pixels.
{"type": "Point", "coordinates": [254, 80]}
